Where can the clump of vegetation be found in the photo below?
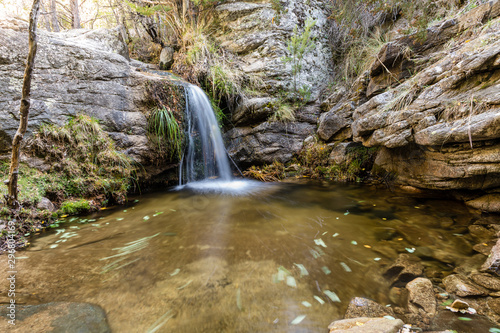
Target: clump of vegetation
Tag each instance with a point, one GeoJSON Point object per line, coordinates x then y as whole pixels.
{"type": "Point", "coordinates": [313, 158]}
{"type": "Point", "coordinates": [268, 173]}
{"type": "Point", "coordinates": [166, 131]}
{"type": "Point", "coordinates": [73, 207]}
{"type": "Point", "coordinates": [84, 162]}
{"type": "Point", "coordinates": [359, 163]}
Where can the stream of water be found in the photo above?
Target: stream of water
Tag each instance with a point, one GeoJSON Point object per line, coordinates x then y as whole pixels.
{"type": "Point", "coordinates": [287, 258]}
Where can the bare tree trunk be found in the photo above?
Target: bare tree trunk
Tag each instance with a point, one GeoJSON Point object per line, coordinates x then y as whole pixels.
{"type": "Point", "coordinates": [53, 16]}
{"type": "Point", "coordinates": [45, 15]}
{"type": "Point", "coordinates": [75, 14]}
{"type": "Point", "coordinates": [24, 109]}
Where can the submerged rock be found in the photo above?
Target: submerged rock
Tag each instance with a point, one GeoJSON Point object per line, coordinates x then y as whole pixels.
{"type": "Point", "coordinates": [57, 317]}
{"type": "Point", "coordinates": [487, 281]}
{"type": "Point", "coordinates": [366, 325]}
{"type": "Point", "coordinates": [406, 268]}
{"type": "Point", "coordinates": [492, 264]}
{"type": "Point", "coordinates": [364, 307]}
{"type": "Point", "coordinates": [461, 286]}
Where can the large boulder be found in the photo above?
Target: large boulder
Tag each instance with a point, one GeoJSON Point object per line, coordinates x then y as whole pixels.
{"type": "Point", "coordinates": [78, 71]}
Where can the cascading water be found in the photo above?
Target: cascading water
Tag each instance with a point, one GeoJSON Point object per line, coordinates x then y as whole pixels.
{"type": "Point", "coordinates": [205, 164]}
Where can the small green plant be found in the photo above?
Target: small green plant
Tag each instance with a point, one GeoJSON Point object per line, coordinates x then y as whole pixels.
{"type": "Point", "coordinates": [298, 45]}
{"type": "Point", "coordinates": [166, 131]}
{"type": "Point", "coordinates": [75, 207]}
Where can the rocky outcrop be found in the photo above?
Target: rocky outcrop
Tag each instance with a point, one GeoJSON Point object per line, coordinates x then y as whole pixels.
{"type": "Point", "coordinates": [432, 105]}
{"type": "Point", "coordinates": [78, 71]}
{"type": "Point", "coordinates": [258, 33]}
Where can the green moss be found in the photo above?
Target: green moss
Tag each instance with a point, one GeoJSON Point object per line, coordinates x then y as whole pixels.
{"type": "Point", "coordinates": [75, 207]}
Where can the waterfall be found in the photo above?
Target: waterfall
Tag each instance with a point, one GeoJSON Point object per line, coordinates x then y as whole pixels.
{"type": "Point", "coordinates": [206, 157]}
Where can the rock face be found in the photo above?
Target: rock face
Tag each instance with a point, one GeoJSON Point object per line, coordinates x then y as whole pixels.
{"type": "Point", "coordinates": [437, 120]}
{"type": "Point", "coordinates": [258, 32]}
{"type": "Point", "coordinates": [78, 71]}
{"type": "Point", "coordinates": [57, 317]}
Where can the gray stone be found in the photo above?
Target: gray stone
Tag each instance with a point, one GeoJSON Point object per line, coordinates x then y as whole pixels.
{"type": "Point", "coordinates": [166, 58]}
{"type": "Point", "coordinates": [366, 325]}
{"type": "Point", "coordinates": [364, 307]}
{"type": "Point", "coordinates": [77, 71]}
{"type": "Point", "coordinates": [46, 204]}
{"type": "Point", "coordinates": [421, 298]}
{"type": "Point", "coordinates": [329, 124]}
{"type": "Point", "coordinates": [253, 111]}
{"type": "Point", "coordinates": [57, 317]}
{"type": "Point", "coordinates": [461, 286]}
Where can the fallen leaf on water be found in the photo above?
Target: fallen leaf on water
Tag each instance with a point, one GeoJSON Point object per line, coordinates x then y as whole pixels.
{"type": "Point", "coordinates": [346, 213]}
{"type": "Point", "coordinates": [411, 250]}
{"type": "Point", "coordinates": [354, 243]}
{"type": "Point", "coordinates": [306, 304]}
{"type": "Point", "coordinates": [319, 300]}
{"type": "Point", "coordinates": [303, 270]}
{"type": "Point", "coordinates": [320, 242]}
{"type": "Point", "coordinates": [175, 272]}
{"type": "Point", "coordinates": [326, 270]}
{"type": "Point", "coordinates": [119, 218]}
{"type": "Point", "coordinates": [145, 218]}
{"type": "Point", "coordinates": [158, 213]}
{"type": "Point", "coordinates": [333, 296]}
{"type": "Point", "coordinates": [290, 281]}
{"type": "Point", "coordinates": [298, 320]}
{"type": "Point", "coordinates": [335, 234]}
{"type": "Point", "coordinates": [389, 317]}
{"type": "Point", "coordinates": [464, 319]}
{"type": "Point", "coordinates": [238, 299]}
{"type": "Point", "coordinates": [367, 246]}
{"type": "Point", "coordinates": [345, 267]}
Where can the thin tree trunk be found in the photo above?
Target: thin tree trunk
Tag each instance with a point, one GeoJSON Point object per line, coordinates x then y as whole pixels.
{"type": "Point", "coordinates": [53, 16]}
{"type": "Point", "coordinates": [46, 20]}
{"type": "Point", "coordinates": [75, 14]}
{"type": "Point", "coordinates": [24, 109]}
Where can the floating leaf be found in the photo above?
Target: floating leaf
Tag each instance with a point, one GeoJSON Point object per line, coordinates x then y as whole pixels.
{"type": "Point", "coordinates": [344, 266]}
{"type": "Point", "coordinates": [290, 281]}
{"type": "Point", "coordinates": [124, 210]}
{"type": "Point", "coordinates": [175, 272]}
{"type": "Point", "coordinates": [238, 299]}
{"type": "Point", "coordinates": [281, 276]}
{"type": "Point", "coordinates": [303, 270]}
{"type": "Point", "coordinates": [464, 318]}
{"type": "Point", "coordinates": [136, 201]}
{"type": "Point", "coordinates": [173, 210]}
{"type": "Point", "coordinates": [354, 243]}
{"type": "Point", "coordinates": [145, 218]}
{"type": "Point", "coordinates": [326, 270]}
{"type": "Point", "coordinates": [448, 302]}
{"type": "Point", "coordinates": [411, 250]}
{"type": "Point", "coordinates": [389, 317]}
{"type": "Point", "coordinates": [298, 320]}
{"type": "Point", "coordinates": [306, 304]}
{"type": "Point", "coordinates": [53, 246]}
{"type": "Point", "coordinates": [494, 330]}
{"type": "Point", "coordinates": [377, 259]}
{"type": "Point", "coordinates": [346, 213]}
{"type": "Point", "coordinates": [319, 299]}
{"type": "Point", "coordinates": [324, 233]}
{"type": "Point", "coordinates": [333, 296]}
{"type": "Point", "coordinates": [335, 234]}
{"type": "Point", "coordinates": [92, 220]}
{"type": "Point", "coordinates": [158, 213]}
{"type": "Point", "coordinates": [320, 242]}
{"type": "Point", "coordinates": [119, 218]}
{"type": "Point", "coordinates": [184, 286]}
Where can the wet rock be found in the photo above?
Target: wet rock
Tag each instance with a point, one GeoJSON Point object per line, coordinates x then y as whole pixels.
{"type": "Point", "coordinates": [365, 325]}
{"type": "Point", "coordinates": [469, 265]}
{"type": "Point", "coordinates": [364, 307]}
{"type": "Point", "coordinates": [492, 264]}
{"type": "Point", "coordinates": [166, 58]}
{"type": "Point", "coordinates": [486, 203]}
{"type": "Point", "coordinates": [461, 286]}
{"type": "Point", "coordinates": [421, 298]}
{"type": "Point", "coordinates": [487, 281]}
{"type": "Point", "coordinates": [494, 305]}
{"type": "Point", "coordinates": [447, 320]}
{"type": "Point", "coordinates": [484, 248]}
{"type": "Point", "coordinates": [58, 317]}
{"type": "Point", "coordinates": [398, 296]}
{"type": "Point", "coordinates": [406, 268]}
{"type": "Point", "coordinates": [46, 204]}
{"type": "Point", "coordinates": [480, 233]}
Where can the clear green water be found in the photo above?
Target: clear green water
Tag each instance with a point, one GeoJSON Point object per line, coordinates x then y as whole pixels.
{"type": "Point", "coordinates": [184, 262]}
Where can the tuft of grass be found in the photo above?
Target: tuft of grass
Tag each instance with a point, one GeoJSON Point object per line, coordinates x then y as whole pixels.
{"type": "Point", "coordinates": [284, 113]}
{"type": "Point", "coordinates": [268, 173]}
{"type": "Point", "coordinates": [166, 131]}
{"type": "Point", "coordinates": [73, 207]}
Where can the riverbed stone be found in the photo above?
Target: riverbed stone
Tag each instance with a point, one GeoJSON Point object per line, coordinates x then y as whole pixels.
{"type": "Point", "coordinates": [365, 325]}
{"type": "Point", "coordinates": [463, 287]}
{"type": "Point", "coordinates": [487, 281]}
{"type": "Point", "coordinates": [492, 263]}
{"type": "Point", "coordinates": [364, 307]}
{"type": "Point", "coordinates": [421, 298]}
{"type": "Point", "coordinates": [46, 204]}
{"type": "Point", "coordinates": [57, 317]}
{"type": "Point", "coordinates": [406, 268]}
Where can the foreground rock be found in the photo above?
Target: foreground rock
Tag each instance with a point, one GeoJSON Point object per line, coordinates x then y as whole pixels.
{"type": "Point", "coordinates": [365, 325]}
{"type": "Point", "coordinates": [56, 317]}
{"type": "Point", "coordinates": [364, 307]}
